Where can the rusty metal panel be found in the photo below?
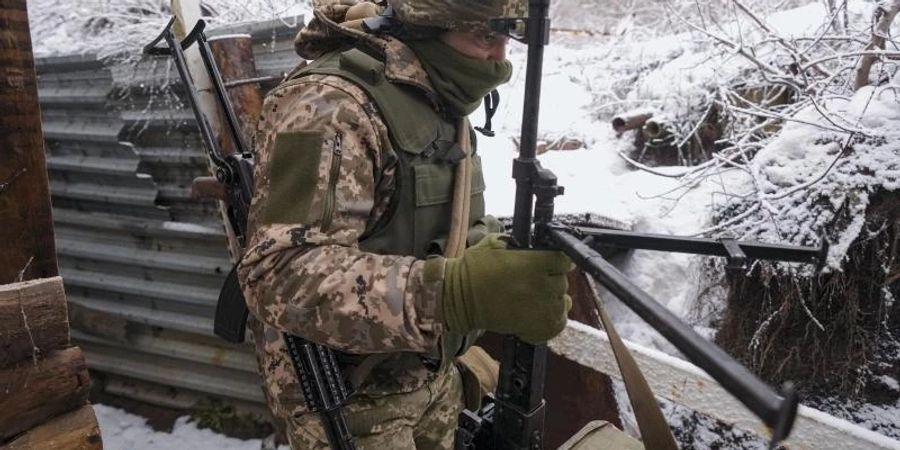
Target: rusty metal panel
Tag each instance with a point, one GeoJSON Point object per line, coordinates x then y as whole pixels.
{"type": "Point", "coordinates": [142, 261]}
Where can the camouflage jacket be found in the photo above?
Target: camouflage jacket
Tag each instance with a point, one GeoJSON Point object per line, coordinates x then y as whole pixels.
{"type": "Point", "coordinates": [310, 279]}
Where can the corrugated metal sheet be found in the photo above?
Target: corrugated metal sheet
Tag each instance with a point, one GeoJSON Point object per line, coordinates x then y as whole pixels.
{"type": "Point", "coordinates": [142, 261]}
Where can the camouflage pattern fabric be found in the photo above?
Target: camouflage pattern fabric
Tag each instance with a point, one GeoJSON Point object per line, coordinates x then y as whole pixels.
{"type": "Point", "coordinates": [325, 174]}
{"type": "Point", "coordinates": [462, 15]}
{"type": "Point", "coordinates": [422, 419]}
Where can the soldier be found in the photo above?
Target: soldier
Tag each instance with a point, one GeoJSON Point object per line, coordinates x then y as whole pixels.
{"type": "Point", "coordinates": [357, 153]}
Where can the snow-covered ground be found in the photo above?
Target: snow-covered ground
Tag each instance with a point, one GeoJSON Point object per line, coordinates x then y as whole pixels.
{"type": "Point", "coordinates": [580, 71]}
{"type": "Point", "coordinates": [124, 431]}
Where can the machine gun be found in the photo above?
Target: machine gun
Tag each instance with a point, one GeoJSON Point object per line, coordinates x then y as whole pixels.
{"type": "Point", "coordinates": [513, 418]}
{"type": "Point", "coordinates": [324, 388]}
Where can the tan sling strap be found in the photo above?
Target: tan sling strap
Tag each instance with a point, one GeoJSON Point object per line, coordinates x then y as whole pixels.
{"type": "Point", "coordinates": [654, 429]}
{"type": "Point", "coordinates": [462, 194]}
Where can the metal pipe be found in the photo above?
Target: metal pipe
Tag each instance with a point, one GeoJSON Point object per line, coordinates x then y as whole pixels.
{"type": "Point", "coordinates": [630, 121]}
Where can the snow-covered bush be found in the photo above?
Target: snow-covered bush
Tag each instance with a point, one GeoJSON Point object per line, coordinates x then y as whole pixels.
{"type": "Point", "coordinates": [115, 27]}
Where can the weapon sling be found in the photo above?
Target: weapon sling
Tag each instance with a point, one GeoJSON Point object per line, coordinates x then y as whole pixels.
{"type": "Point", "coordinates": [655, 431]}
{"type": "Point", "coordinates": [324, 388]}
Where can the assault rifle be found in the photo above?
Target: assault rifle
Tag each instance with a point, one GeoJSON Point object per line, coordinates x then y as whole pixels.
{"type": "Point", "coordinates": [324, 387]}
{"type": "Point", "coordinates": [513, 418]}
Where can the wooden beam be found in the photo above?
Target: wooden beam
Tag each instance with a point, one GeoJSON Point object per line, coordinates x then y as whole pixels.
{"type": "Point", "coordinates": [29, 251]}
{"type": "Point", "coordinates": [32, 393]}
{"type": "Point", "coordinates": [76, 430]}
{"type": "Point", "coordinates": [33, 320]}
{"type": "Point", "coordinates": [234, 57]}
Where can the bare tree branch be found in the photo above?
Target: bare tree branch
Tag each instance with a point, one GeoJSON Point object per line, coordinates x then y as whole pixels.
{"type": "Point", "coordinates": [884, 17]}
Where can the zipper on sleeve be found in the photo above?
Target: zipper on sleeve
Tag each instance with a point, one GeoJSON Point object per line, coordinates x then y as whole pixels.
{"type": "Point", "coordinates": [337, 154]}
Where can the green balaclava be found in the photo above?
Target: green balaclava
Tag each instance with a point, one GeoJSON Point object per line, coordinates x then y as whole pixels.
{"type": "Point", "coordinates": [460, 81]}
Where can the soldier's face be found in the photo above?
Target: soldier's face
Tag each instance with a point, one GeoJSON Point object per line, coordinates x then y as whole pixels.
{"type": "Point", "coordinates": [486, 46]}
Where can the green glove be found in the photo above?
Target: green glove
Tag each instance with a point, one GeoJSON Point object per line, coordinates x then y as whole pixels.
{"type": "Point", "coordinates": [519, 292]}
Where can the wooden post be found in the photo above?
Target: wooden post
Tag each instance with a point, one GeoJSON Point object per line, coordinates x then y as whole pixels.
{"type": "Point", "coordinates": [41, 376]}
{"type": "Point", "coordinates": [234, 57]}
{"type": "Point", "coordinates": [237, 64]}
{"type": "Point", "coordinates": [37, 392]}
{"type": "Point", "coordinates": [28, 251]}
{"type": "Point", "coordinates": [77, 430]}
{"type": "Point", "coordinates": [33, 320]}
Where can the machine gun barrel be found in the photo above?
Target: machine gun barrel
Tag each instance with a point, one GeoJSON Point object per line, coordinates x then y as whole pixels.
{"type": "Point", "coordinates": [776, 411]}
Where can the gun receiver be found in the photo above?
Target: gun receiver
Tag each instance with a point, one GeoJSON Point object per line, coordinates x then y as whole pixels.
{"type": "Point", "coordinates": [324, 388]}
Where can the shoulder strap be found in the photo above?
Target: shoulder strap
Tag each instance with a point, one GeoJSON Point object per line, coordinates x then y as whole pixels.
{"type": "Point", "coordinates": [655, 430]}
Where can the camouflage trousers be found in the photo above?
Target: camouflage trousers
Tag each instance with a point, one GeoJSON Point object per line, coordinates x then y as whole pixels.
{"type": "Point", "coordinates": [418, 420]}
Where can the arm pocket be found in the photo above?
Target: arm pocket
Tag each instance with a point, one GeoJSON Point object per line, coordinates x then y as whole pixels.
{"type": "Point", "coordinates": [293, 177]}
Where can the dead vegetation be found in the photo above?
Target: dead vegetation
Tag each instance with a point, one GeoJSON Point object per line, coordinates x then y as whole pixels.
{"type": "Point", "coordinates": [828, 331]}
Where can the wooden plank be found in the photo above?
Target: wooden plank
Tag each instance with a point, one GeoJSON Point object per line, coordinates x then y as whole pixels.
{"type": "Point", "coordinates": [32, 393]}
{"type": "Point", "coordinates": [76, 430]}
{"type": "Point", "coordinates": [27, 231]}
{"type": "Point", "coordinates": [33, 320]}
{"type": "Point", "coordinates": [683, 383]}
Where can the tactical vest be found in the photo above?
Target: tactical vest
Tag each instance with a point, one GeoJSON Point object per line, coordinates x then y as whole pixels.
{"type": "Point", "coordinates": [418, 220]}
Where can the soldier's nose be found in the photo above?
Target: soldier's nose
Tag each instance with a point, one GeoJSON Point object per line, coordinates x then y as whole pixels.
{"type": "Point", "coordinates": [498, 49]}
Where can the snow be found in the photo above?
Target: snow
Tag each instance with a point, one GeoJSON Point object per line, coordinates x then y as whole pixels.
{"type": "Point", "coordinates": [124, 431]}
{"type": "Point", "coordinates": [890, 382]}
{"type": "Point", "coordinates": [803, 153]}
{"type": "Point", "coordinates": [186, 227]}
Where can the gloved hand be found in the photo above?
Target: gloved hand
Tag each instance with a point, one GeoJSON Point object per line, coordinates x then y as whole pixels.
{"type": "Point", "coordinates": [519, 292]}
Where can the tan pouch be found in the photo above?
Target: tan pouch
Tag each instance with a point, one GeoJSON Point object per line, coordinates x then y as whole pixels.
{"type": "Point", "coordinates": [480, 375]}
{"type": "Point", "coordinates": [601, 435]}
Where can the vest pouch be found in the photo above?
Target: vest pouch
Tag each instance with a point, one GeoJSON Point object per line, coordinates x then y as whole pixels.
{"type": "Point", "coordinates": [434, 202]}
